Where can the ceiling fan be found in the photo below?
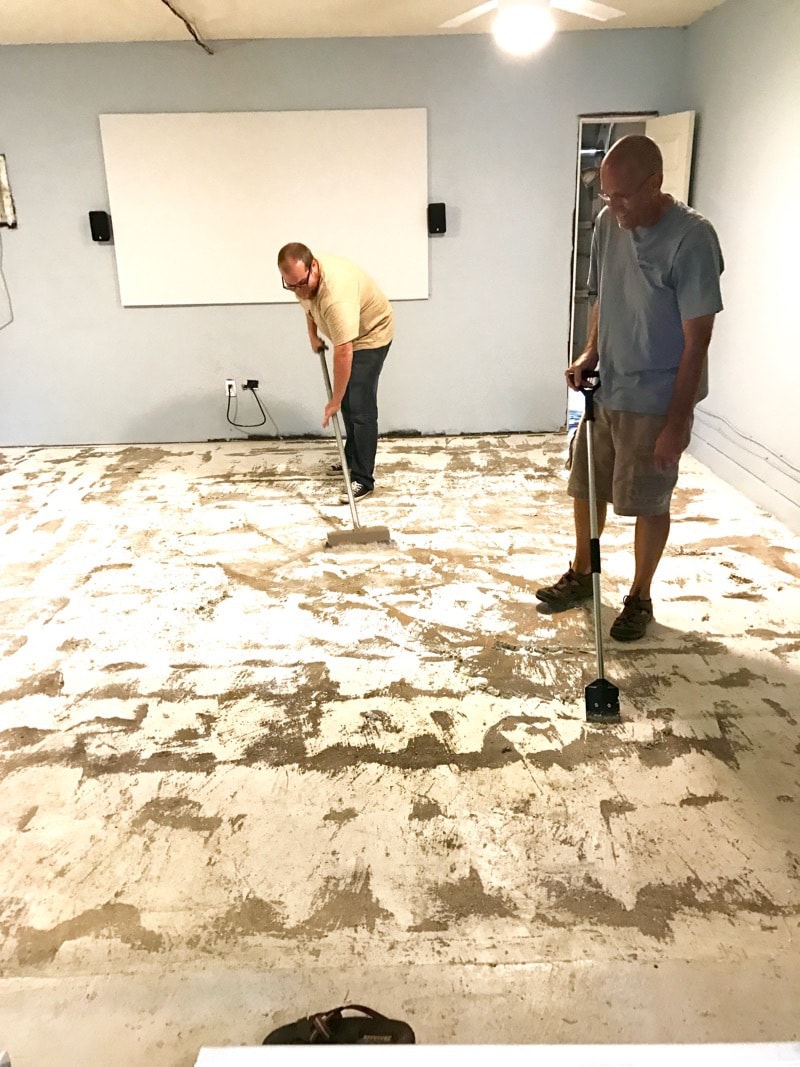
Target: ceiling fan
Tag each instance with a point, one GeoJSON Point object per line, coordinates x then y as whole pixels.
{"type": "Point", "coordinates": [590, 9]}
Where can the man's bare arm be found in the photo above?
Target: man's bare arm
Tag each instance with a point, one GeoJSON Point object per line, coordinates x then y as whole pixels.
{"type": "Point", "coordinates": [674, 438]}
{"type": "Point", "coordinates": [587, 360]}
{"type": "Point", "coordinates": [342, 365]}
{"type": "Point", "coordinates": [313, 335]}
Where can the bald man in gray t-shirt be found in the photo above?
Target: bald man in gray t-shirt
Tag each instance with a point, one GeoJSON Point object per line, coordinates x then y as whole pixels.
{"type": "Point", "coordinates": [655, 269]}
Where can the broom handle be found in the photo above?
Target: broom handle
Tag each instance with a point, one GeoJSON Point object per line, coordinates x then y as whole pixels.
{"type": "Point", "coordinates": [337, 430]}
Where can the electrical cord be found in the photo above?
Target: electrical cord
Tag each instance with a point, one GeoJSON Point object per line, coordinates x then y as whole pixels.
{"type": "Point", "coordinates": [252, 425]}
{"type": "Point", "coordinates": [703, 413]}
{"type": "Point", "coordinates": [4, 287]}
{"type": "Point", "coordinates": [741, 466]}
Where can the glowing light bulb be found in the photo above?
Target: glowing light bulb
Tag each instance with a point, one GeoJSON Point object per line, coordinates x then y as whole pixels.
{"type": "Point", "coordinates": [522, 27]}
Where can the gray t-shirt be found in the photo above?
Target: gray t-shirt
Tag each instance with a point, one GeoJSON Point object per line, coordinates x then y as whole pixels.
{"type": "Point", "coordinates": [648, 282]}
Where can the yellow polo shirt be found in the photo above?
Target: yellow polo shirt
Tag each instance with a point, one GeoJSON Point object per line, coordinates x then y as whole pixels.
{"type": "Point", "coordinates": [349, 306]}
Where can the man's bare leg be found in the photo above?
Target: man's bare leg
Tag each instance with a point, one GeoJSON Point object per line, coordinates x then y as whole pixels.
{"type": "Point", "coordinates": [649, 542]}
{"type": "Point", "coordinates": [582, 563]}
{"type": "Point", "coordinates": [576, 585]}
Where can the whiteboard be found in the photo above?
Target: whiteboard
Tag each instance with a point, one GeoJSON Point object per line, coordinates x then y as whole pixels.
{"type": "Point", "coordinates": [202, 202]}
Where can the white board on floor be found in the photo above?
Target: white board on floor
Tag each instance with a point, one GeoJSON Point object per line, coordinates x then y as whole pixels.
{"type": "Point", "coordinates": [201, 202]}
{"type": "Point", "coordinates": [711, 1055]}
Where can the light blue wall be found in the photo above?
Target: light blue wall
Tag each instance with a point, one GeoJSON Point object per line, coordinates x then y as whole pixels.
{"type": "Point", "coordinates": [744, 74]}
{"type": "Point", "coordinates": [485, 352]}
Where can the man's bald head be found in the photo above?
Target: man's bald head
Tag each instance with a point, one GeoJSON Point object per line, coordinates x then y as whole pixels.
{"type": "Point", "coordinates": [630, 182]}
{"type": "Point", "coordinates": [635, 153]}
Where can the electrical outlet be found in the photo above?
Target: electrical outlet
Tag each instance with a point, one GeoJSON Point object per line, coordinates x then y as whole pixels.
{"type": "Point", "coordinates": [230, 387]}
{"type": "Point", "coordinates": [251, 383]}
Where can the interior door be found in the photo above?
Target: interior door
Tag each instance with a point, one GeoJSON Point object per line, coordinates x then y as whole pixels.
{"type": "Point", "coordinates": [674, 135]}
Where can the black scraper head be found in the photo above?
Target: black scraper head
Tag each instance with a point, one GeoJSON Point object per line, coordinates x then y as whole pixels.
{"type": "Point", "coordinates": [602, 701]}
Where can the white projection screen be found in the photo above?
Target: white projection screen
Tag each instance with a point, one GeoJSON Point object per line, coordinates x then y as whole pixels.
{"type": "Point", "coordinates": [201, 202]}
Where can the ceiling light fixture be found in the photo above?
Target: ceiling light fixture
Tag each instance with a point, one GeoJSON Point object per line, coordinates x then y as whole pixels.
{"type": "Point", "coordinates": [522, 27]}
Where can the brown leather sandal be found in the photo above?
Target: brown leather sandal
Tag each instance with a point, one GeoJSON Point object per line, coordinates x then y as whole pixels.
{"type": "Point", "coordinates": [334, 1028]}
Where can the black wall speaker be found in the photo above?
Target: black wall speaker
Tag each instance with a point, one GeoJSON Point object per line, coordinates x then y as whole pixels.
{"type": "Point", "coordinates": [100, 223]}
{"type": "Point", "coordinates": [437, 218]}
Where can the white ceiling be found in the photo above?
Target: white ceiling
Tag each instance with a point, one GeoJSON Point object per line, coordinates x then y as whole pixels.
{"type": "Point", "coordinates": [72, 21]}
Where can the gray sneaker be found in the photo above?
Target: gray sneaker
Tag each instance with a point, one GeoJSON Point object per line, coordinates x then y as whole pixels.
{"type": "Point", "coordinates": [570, 589]}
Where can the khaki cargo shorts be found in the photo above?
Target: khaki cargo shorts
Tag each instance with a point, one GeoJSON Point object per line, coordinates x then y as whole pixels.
{"type": "Point", "coordinates": [623, 443]}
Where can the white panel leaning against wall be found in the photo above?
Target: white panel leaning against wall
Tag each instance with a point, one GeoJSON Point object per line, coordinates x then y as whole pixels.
{"type": "Point", "coordinates": [8, 216]}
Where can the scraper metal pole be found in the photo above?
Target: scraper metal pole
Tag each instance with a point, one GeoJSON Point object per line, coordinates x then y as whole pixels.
{"type": "Point", "coordinates": [602, 696]}
{"type": "Point", "coordinates": [594, 533]}
{"type": "Point", "coordinates": [339, 442]}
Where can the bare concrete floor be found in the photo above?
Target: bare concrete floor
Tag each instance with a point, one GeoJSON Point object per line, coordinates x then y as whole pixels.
{"type": "Point", "coordinates": [245, 777]}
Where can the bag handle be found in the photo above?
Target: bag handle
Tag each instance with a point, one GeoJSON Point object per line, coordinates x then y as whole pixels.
{"type": "Point", "coordinates": [320, 1021]}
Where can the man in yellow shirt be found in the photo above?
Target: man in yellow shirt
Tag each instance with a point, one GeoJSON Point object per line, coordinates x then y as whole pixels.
{"type": "Point", "coordinates": [345, 304]}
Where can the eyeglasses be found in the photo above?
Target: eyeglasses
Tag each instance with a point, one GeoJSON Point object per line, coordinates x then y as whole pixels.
{"type": "Point", "coordinates": [297, 285]}
{"type": "Point", "coordinates": [617, 198]}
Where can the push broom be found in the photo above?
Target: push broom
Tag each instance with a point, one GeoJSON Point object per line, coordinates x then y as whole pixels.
{"type": "Point", "coordinates": [602, 696]}
{"type": "Point", "coordinates": [359, 535]}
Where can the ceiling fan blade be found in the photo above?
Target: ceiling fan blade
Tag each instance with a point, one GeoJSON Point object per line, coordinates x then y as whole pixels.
{"type": "Point", "coordinates": [588, 8]}
{"type": "Point", "coordinates": [468, 16]}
